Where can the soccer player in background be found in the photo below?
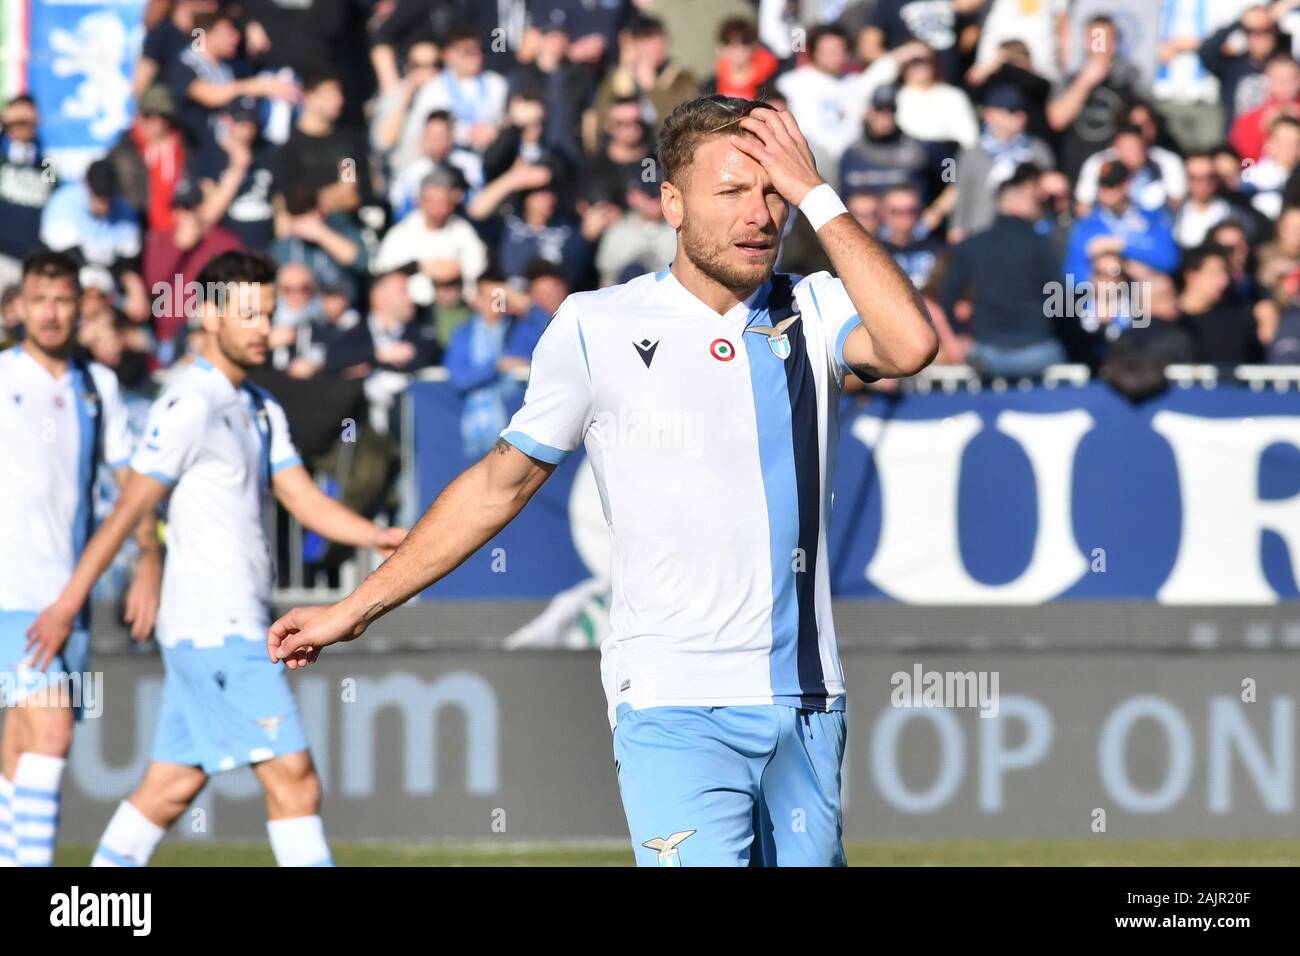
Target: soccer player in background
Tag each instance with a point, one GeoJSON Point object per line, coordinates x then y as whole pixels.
{"type": "Point", "coordinates": [217, 444]}
{"type": "Point", "coordinates": [724, 683]}
{"type": "Point", "coordinates": [61, 417]}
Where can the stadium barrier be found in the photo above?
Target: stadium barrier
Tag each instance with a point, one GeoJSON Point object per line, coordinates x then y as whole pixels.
{"type": "Point", "coordinates": [516, 746]}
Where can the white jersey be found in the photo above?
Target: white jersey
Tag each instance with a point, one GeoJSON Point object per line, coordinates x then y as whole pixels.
{"type": "Point", "coordinates": [49, 435]}
{"type": "Point", "coordinates": [712, 439]}
{"type": "Point", "coordinates": [216, 446]}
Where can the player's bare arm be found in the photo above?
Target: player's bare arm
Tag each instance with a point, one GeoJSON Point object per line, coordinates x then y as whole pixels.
{"type": "Point", "coordinates": [896, 337]}
{"type": "Point", "coordinates": [143, 597]}
{"type": "Point", "coordinates": [326, 516]}
{"type": "Point", "coordinates": [468, 513]}
{"type": "Point", "coordinates": [47, 635]}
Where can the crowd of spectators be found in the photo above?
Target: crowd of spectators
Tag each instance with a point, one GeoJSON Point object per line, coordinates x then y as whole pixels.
{"type": "Point", "coordinates": [434, 176]}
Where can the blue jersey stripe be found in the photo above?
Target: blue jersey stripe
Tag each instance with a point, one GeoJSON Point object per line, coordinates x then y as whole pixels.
{"type": "Point", "coordinates": [780, 486]}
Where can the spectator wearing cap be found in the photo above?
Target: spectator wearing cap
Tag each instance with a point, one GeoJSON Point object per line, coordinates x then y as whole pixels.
{"type": "Point", "coordinates": [1250, 130]}
{"type": "Point", "coordinates": [328, 242]}
{"type": "Point", "coordinates": [624, 155]}
{"type": "Point", "coordinates": [322, 154]}
{"type": "Point", "coordinates": [25, 186]}
{"type": "Point", "coordinates": [645, 71]}
{"type": "Point", "coordinates": [1012, 65]}
{"type": "Point", "coordinates": [742, 68]}
{"type": "Point", "coordinates": [475, 97]}
{"type": "Point", "coordinates": [1239, 66]}
{"type": "Point", "coordinates": [825, 98]}
{"type": "Point", "coordinates": [884, 156]}
{"type": "Point", "coordinates": [1004, 144]}
{"type": "Point", "coordinates": [1120, 226]}
{"type": "Point", "coordinates": [149, 158]}
{"type": "Point", "coordinates": [438, 150]}
{"type": "Point", "coordinates": [173, 259]}
{"type": "Point", "coordinates": [432, 239]}
{"type": "Point", "coordinates": [489, 358]}
{"type": "Point", "coordinates": [640, 238]}
{"type": "Point", "coordinates": [1088, 110]}
{"type": "Point", "coordinates": [1159, 177]}
{"type": "Point", "coordinates": [566, 87]}
{"type": "Point", "coordinates": [91, 220]}
{"type": "Point", "coordinates": [1204, 206]}
{"type": "Point", "coordinates": [1008, 323]}
{"type": "Point", "coordinates": [233, 174]}
{"type": "Point", "coordinates": [203, 78]}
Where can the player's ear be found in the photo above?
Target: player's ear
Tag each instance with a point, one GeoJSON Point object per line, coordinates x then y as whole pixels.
{"type": "Point", "coordinates": [670, 198]}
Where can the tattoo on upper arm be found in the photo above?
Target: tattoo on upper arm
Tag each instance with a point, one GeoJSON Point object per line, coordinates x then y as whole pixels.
{"type": "Point", "coordinates": [501, 447]}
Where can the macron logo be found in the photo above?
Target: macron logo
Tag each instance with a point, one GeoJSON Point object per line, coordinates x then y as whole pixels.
{"type": "Point", "coordinates": [76, 909]}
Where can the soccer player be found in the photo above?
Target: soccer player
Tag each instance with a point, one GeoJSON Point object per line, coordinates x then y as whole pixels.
{"type": "Point", "coordinates": [724, 684]}
{"type": "Point", "coordinates": [61, 417]}
{"type": "Point", "coordinates": [217, 444]}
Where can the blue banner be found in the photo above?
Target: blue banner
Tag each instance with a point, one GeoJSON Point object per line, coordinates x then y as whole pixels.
{"type": "Point", "coordinates": [1016, 498]}
{"type": "Point", "coordinates": [82, 57]}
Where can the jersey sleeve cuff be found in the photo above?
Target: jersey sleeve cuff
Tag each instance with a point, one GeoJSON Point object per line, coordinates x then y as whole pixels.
{"type": "Point", "coordinates": [535, 449]}
{"type": "Point", "coordinates": [284, 463]}
{"type": "Point", "coordinates": [167, 480]}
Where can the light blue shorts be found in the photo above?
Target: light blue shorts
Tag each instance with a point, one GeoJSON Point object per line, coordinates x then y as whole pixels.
{"type": "Point", "coordinates": [18, 680]}
{"type": "Point", "coordinates": [732, 786]}
{"type": "Point", "coordinates": [225, 707]}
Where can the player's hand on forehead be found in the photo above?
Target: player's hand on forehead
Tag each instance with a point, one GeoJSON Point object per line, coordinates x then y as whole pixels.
{"type": "Point", "coordinates": [781, 150]}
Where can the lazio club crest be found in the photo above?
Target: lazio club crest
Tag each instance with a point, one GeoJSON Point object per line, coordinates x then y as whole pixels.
{"type": "Point", "coordinates": [777, 340]}
{"type": "Point", "coordinates": [668, 855]}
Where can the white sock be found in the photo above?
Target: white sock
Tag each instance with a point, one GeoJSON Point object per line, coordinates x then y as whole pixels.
{"type": "Point", "coordinates": [7, 822]}
{"type": "Point", "coordinates": [36, 807]}
{"type": "Point", "coordinates": [299, 841]}
{"type": "Point", "coordinates": [129, 839]}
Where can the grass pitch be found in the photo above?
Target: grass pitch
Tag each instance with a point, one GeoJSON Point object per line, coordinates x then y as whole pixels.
{"type": "Point", "coordinates": [1097, 852]}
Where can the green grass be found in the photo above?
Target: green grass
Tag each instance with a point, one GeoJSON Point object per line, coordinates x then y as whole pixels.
{"type": "Point", "coordinates": [1096, 852]}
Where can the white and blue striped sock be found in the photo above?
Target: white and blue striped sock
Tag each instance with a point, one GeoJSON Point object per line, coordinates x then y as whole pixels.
{"type": "Point", "coordinates": [36, 807]}
{"type": "Point", "coordinates": [129, 839]}
{"type": "Point", "coordinates": [299, 841]}
{"type": "Point", "coordinates": [6, 822]}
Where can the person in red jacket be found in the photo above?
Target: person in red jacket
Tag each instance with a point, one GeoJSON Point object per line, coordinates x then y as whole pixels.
{"type": "Point", "coordinates": [1250, 130]}
{"type": "Point", "coordinates": [743, 67]}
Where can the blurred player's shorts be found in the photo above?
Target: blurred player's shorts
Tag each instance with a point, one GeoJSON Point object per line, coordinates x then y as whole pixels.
{"type": "Point", "coordinates": [226, 706]}
{"type": "Point", "coordinates": [19, 680]}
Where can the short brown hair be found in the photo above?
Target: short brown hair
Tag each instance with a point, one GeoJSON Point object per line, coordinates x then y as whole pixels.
{"type": "Point", "coordinates": [694, 121]}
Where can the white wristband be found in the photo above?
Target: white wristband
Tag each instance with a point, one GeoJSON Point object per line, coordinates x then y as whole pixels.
{"type": "Point", "coordinates": [821, 205]}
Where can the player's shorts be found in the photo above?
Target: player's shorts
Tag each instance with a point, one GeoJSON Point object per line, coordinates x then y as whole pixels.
{"type": "Point", "coordinates": [225, 707]}
{"type": "Point", "coordinates": [732, 786]}
{"type": "Point", "coordinates": [19, 680]}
